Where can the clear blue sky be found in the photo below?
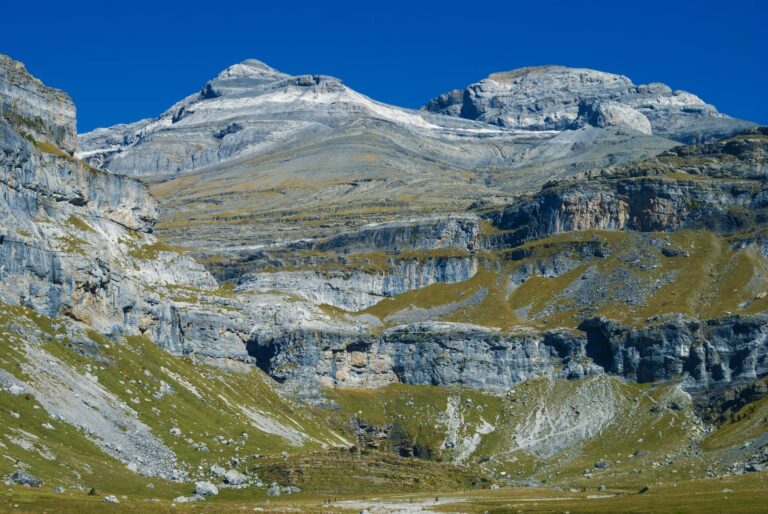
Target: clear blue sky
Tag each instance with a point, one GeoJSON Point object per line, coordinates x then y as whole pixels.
{"type": "Point", "coordinates": [122, 61]}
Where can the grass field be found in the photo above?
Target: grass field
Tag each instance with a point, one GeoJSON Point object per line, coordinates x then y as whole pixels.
{"type": "Point", "coordinates": [741, 494]}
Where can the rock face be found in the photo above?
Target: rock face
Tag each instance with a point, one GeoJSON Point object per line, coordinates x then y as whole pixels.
{"type": "Point", "coordinates": [722, 190]}
{"type": "Point", "coordinates": [549, 98]}
{"type": "Point", "coordinates": [419, 234]}
{"type": "Point", "coordinates": [357, 291]}
{"type": "Point", "coordinates": [32, 108]}
{"type": "Point", "coordinates": [710, 354]}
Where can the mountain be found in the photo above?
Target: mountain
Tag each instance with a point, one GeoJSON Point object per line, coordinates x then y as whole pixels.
{"type": "Point", "coordinates": [558, 98]}
{"type": "Point", "coordinates": [250, 108]}
{"type": "Point", "coordinates": [256, 148]}
{"type": "Point", "coordinates": [589, 317]}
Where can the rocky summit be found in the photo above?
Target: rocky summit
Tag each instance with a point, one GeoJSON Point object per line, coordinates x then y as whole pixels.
{"type": "Point", "coordinates": [558, 98]}
{"type": "Point", "coordinates": [280, 290]}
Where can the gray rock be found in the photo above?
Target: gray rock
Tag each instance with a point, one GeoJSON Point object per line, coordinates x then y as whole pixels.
{"type": "Point", "coordinates": [619, 201]}
{"type": "Point", "coordinates": [607, 113]}
{"type": "Point", "coordinates": [274, 490]}
{"type": "Point", "coordinates": [15, 389]}
{"type": "Point", "coordinates": [110, 499]}
{"type": "Point", "coordinates": [234, 477]}
{"type": "Point", "coordinates": [459, 354]}
{"type": "Point", "coordinates": [58, 490]}
{"type": "Point", "coordinates": [206, 489]}
{"type": "Point", "coordinates": [24, 478]}
{"type": "Point", "coordinates": [46, 114]}
{"type": "Point", "coordinates": [217, 471]}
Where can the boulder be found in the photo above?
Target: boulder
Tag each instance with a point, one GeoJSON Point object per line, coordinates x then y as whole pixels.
{"type": "Point", "coordinates": [206, 489]}
{"type": "Point", "coordinates": [24, 478]}
{"type": "Point", "coordinates": [234, 477]}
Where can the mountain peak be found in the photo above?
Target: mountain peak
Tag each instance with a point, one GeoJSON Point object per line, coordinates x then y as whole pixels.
{"type": "Point", "coordinates": [548, 98]}
{"type": "Point", "coordinates": [250, 68]}
{"type": "Point", "coordinates": [242, 78]}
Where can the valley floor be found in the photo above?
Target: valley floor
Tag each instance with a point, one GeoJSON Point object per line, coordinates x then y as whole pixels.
{"type": "Point", "coordinates": [739, 494]}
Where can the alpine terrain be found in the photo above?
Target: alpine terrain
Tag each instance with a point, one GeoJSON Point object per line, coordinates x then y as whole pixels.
{"type": "Point", "coordinates": [545, 291]}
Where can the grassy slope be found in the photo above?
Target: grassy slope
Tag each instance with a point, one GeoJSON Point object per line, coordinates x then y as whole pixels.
{"type": "Point", "coordinates": [205, 402]}
{"type": "Point", "coordinates": [708, 279]}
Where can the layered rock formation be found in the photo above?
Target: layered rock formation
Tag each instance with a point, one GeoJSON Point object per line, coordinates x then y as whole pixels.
{"type": "Point", "coordinates": [549, 98]}
{"type": "Point", "coordinates": [719, 187]}
{"type": "Point", "coordinates": [711, 355]}
{"type": "Point", "coordinates": [44, 113]}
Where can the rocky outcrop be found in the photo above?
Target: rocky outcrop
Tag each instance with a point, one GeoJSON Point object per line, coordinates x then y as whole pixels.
{"type": "Point", "coordinates": [608, 113]}
{"type": "Point", "coordinates": [418, 234]}
{"type": "Point", "coordinates": [430, 353]}
{"type": "Point", "coordinates": [722, 190]}
{"type": "Point", "coordinates": [711, 354]}
{"type": "Point", "coordinates": [41, 112]}
{"type": "Point", "coordinates": [69, 236]}
{"type": "Point", "coordinates": [706, 354]}
{"type": "Point", "coordinates": [78, 242]}
{"type": "Point", "coordinates": [356, 291]}
{"type": "Point", "coordinates": [549, 98]}
{"type": "Point", "coordinates": [40, 183]}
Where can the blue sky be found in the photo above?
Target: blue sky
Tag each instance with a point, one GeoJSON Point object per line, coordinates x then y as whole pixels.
{"type": "Point", "coordinates": [122, 61]}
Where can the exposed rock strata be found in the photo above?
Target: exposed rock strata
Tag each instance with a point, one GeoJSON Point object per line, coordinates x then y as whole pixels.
{"type": "Point", "coordinates": [549, 98]}
{"type": "Point", "coordinates": [707, 354]}
{"type": "Point", "coordinates": [44, 113]}
{"type": "Point", "coordinates": [721, 187]}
